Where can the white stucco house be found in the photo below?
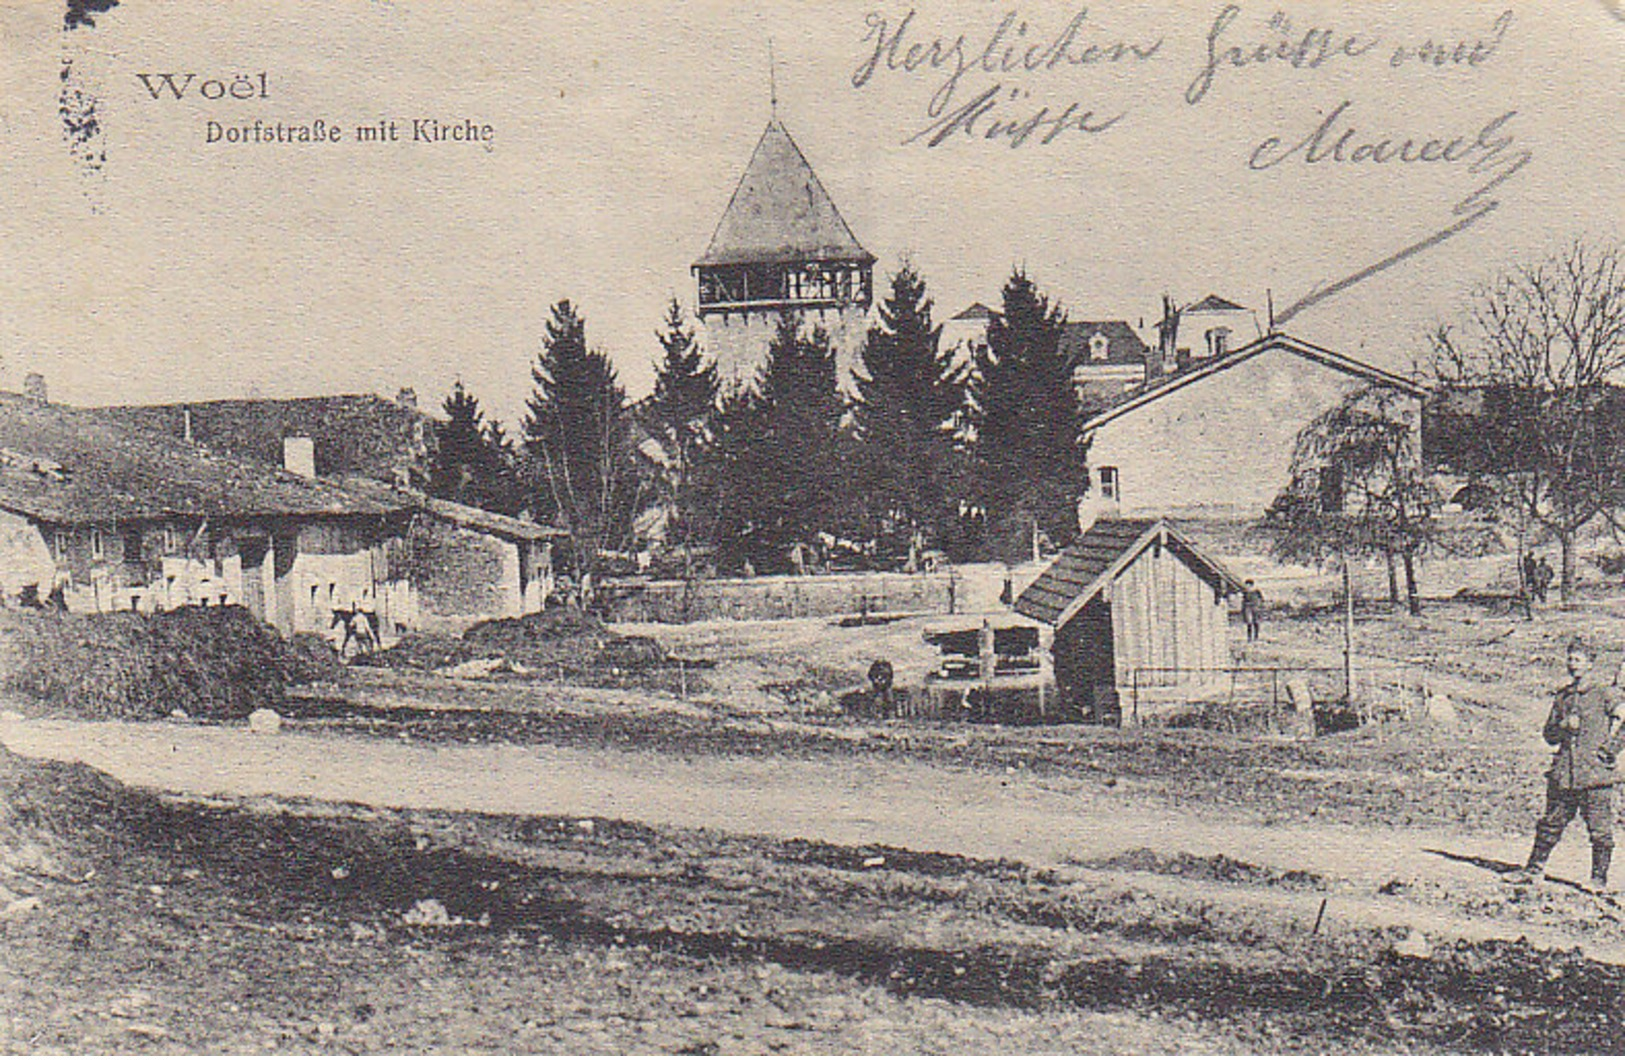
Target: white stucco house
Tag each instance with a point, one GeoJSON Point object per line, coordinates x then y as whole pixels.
{"type": "Point", "coordinates": [1216, 441]}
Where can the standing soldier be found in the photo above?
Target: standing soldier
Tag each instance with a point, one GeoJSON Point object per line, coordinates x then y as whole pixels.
{"type": "Point", "coordinates": [1252, 606]}
{"type": "Point", "coordinates": [1584, 727]}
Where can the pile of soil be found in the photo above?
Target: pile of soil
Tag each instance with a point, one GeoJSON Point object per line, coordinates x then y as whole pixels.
{"type": "Point", "coordinates": [561, 639]}
{"type": "Point", "coordinates": [44, 810]}
{"type": "Point", "coordinates": [211, 662]}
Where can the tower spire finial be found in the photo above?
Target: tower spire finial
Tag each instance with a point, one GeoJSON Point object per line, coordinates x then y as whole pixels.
{"type": "Point", "coordinates": [772, 81]}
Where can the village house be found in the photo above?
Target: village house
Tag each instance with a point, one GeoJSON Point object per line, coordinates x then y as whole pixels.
{"type": "Point", "coordinates": [1216, 440]}
{"type": "Point", "coordinates": [1205, 330]}
{"type": "Point", "coordinates": [108, 518]}
{"type": "Point", "coordinates": [103, 518]}
{"type": "Point", "coordinates": [1140, 618]}
{"type": "Point", "coordinates": [1108, 358]}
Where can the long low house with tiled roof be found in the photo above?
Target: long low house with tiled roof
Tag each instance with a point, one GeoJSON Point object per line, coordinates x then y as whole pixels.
{"type": "Point", "coordinates": [1140, 615]}
{"type": "Point", "coordinates": [103, 517]}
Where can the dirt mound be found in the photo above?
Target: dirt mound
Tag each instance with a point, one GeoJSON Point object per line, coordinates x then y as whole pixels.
{"type": "Point", "coordinates": [557, 640]}
{"type": "Point", "coordinates": [310, 657]}
{"type": "Point", "coordinates": [45, 808]}
{"type": "Point", "coordinates": [556, 637]}
{"type": "Point", "coordinates": [420, 651]}
{"type": "Point", "coordinates": [215, 662]}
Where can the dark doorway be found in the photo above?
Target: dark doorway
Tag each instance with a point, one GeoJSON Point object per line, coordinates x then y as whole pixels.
{"type": "Point", "coordinates": [1085, 664]}
{"type": "Point", "coordinates": [252, 550]}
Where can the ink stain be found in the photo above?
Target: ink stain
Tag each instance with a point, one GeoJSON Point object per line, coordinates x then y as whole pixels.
{"type": "Point", "coordinates": [81, 127]}
{"type": "Point", "coordinates": [84, 12]}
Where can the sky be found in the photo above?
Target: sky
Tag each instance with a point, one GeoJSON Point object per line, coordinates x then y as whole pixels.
{"type": "Point", "coordinates": [173, 269]}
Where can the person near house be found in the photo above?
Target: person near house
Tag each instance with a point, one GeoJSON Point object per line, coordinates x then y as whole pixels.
{"type": "Point", "coordinates": [1584, 726]}
{"type": "Point", "coordinates": [1543, 578]}
{"type": "Point", "coordinates": [1252, 609]}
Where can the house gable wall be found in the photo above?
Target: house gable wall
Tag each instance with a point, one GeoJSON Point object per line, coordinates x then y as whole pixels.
{"type": "Point", "coordinates": [1222, 444]}
{"type": "Point", "coordinates": [463, 574]}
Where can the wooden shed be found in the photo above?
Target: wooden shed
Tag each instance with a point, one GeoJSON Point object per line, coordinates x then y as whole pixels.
{"type": "Point", "coordinates": [1134, 605]}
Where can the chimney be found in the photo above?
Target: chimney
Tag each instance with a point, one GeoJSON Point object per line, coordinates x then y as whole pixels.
{"type": "Point", "coordinates": [1159, 361]}
{"type": "Point", "coordinates": [34, 388]}
{"type": "Point", "coordinates": [407, 398]}
{"type": "Point", "coordinates": [299, 456]}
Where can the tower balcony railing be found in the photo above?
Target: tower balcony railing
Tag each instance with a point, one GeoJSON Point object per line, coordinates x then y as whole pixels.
{"type": "Point", "coordinates": [754, 305]}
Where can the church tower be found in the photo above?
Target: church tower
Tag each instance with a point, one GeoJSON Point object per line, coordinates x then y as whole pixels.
{"type": "Point", "coordinates": [781, 244]}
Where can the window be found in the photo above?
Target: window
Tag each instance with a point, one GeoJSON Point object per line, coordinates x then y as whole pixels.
{"type": "Point", "coordinates": [98, 546]}
{"type": "Point", "coordinates": [1108, 484]}
{"type": "Point", "coordinates": [59, 545]}
{"type": "Point", "coordinates": [1218, 342]}
{"type": "Point", "coordinates": [1099, 346]}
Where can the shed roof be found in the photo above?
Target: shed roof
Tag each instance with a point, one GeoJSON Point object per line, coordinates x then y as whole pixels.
{"type": "Point", "coordinates": [76, 466]}
{"type": "Point", "coordinates": [1308, 351]}
{"type": "Point", "coordinates": [1089, 564]}
{"type": "Point", "coordinates": [493, 523]}
{"type": "Point", "coordinates": [780, 212]}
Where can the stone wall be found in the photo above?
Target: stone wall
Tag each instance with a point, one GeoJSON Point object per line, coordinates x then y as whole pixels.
{"type": "Point", "coordinates": [783, 597]}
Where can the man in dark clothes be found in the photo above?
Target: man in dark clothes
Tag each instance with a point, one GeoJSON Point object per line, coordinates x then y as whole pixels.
{"type": "Point", "coordinates": [1584, 727]}
{"type": "Point", "coordinates": [1252, 605]}
{"type": "Point", "coordinates": [1543, 578]}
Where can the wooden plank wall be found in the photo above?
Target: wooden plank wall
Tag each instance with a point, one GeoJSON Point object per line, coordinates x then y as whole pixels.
{"type": "Point", "coordinates": [1165, 615]}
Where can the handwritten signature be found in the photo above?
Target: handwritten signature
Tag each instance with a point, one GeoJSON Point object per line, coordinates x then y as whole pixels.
{"type": "Point", "coordinates": [1493, 154]}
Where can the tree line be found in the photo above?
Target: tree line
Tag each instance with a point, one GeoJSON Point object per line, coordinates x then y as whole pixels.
{"type": "Point", "coordinates": [1527, 404]}
{"type": "Point", "coordinates": [966, 454]}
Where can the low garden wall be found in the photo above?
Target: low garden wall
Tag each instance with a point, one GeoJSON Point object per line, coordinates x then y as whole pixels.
{"type": "Point", "coordinates": [786, 596]}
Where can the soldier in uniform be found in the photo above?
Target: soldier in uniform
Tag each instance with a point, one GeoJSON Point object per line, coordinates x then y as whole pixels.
{"type": "Point", "coordinates": [1584, 727]}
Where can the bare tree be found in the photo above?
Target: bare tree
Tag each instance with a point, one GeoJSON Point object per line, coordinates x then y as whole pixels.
{"type": "Point", "coordinates": [1543, 347]}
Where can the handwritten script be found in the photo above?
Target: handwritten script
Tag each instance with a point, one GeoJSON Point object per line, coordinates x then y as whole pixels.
{"type": "Point", "coordinates": [1014, 82]}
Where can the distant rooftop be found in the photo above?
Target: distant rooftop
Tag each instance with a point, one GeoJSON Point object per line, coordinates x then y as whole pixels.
{"type": "Point", "coordinates": [975, 311]}
{"type": "Point", "coordinates": [1123, 343]}
{"type": "Point", "coordinates": [1214, 304]}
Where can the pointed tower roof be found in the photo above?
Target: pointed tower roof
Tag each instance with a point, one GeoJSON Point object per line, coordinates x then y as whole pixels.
{"type": "Point", "coordinates": [780, 212]}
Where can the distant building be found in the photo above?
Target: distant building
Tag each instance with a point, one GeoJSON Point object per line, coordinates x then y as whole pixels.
{"type": "Point", "coordinates": [1108, 357]}
{"type": "Point", "coordinates": [781, 244]}
{"type": "Point", "coordinates": [1202, 331]}
{"type": "Point", "coordinates": [343, 434]}
{"type": "Point", "coordinates": [1217, 439]}
{"type": "Point", "coordinates": [967, 329]}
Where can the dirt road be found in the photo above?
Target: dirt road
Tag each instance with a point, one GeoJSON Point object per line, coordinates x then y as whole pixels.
{"type": "Point", "coordinates": [1378, 877]}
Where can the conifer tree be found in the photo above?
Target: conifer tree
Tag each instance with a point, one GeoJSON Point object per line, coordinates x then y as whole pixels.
{"type": "Point", "coordinates": [778, 451]}
{"type": "Point", "coordinates": [471, 464]}
{"type": "Point", "coordinates": [908, 392]}
{"type": "Point", "coordinates": [1029, 464]}
{"type": "Point", "coordinates": [578, 443]}
{"type": "Point", "coordinates": [680, 416]}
